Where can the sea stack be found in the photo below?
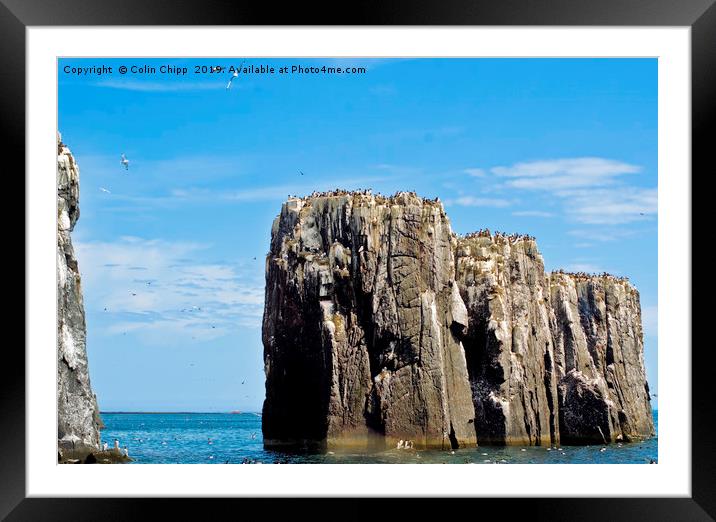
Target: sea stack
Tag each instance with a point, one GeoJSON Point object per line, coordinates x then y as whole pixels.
{"type": "Point", "coordinates": [361, 326]}
{"type": "Point", "coordinates": [381, 325]}
{"type": "Point", "coordinates": [78, 419]}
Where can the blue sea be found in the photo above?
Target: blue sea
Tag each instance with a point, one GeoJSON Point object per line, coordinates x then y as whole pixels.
{"type": "Point", "coordinates": [235, 438]}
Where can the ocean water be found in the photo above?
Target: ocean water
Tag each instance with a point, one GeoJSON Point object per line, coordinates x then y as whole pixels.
{"type": "Point", "coordinates": [224, 438]}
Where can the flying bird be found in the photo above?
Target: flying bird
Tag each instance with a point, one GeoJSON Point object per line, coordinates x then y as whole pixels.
{"type": "Point", "coordinates": [234, 75]}
{"type": "Point", "coordinates": [105, 190]}
{"type": "Point", "coordinates": [302, 174]}
{"type": "Point", "coordinates": [124, 161]}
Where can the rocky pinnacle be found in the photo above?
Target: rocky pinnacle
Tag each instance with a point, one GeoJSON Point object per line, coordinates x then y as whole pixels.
{"type": "Point", "coordinates": [77, 413]}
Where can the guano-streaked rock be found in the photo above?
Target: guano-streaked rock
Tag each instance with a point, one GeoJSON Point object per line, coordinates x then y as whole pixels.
{"type": "Point", "coordinates": [361, 326]}
{"type": "Point", "coordinates": [603, 393]}
{"type": "Point", "coordinates": [78, 419]}
{"type": "Point", "coordinates": [509, 341]}
{"type": "Point", "coordinates": [382, 325]}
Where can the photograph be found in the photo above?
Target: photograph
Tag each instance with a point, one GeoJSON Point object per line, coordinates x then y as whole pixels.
{"type": "Point", "coordinates": [357, 260]}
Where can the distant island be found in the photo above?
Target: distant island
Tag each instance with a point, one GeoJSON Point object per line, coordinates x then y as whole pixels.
{"type": "Point", "coordinates": [382, 327]}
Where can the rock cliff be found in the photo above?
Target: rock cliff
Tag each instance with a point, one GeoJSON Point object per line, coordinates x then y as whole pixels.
{"type": "Point", "coordinates": [603, 393]}
{"type": "Point", "coordinates": [361, 325]}
{"type": "Point", "coordinates": [77, 413]}
{"type": "Point", "coordinates": [509, 340]}
{"type": "Point", "coordinates": [381, 325]}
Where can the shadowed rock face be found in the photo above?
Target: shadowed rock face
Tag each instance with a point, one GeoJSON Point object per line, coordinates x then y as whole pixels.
{"type": "Point", "coordinates": [603, 394]}
{"type": "Point", "coordinates": [78, 416]}
{"type": "Point", "coordinates": [361, 326]}
{"type": "Point", "coordinates": [509, 341]}
{"type": "Point", "coordinates": [381, 325]}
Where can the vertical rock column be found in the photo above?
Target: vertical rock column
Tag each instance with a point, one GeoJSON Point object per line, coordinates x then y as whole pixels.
{"type": "Point", "coordinates": [362, 325]}
{"type": "Point", "coordinates": [77, 412]}
{"type": "Point", "coordinates": [603, 393]}
{"type": "Point", "coordinates": [509, 341]}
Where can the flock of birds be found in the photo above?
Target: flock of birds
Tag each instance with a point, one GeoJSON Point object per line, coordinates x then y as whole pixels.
{"type": "Point", "coordinates": [485, 232]}
{"type": "Point", "coordinates": [585, 275]}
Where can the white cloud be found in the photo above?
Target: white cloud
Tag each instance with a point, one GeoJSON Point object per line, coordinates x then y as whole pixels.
{"type": "Point", "coordinates": [475, 173]}
{"type": "Point", "coordinates": [153, 288]}
{"type": "Point", "coordinates": [532, 213]}
{"type": "Point", "coordinates": [169, 86]}
{"type": "Point", "coordinates": [561, 174]}
{"type": "Point", "coordinates": [471, 201]}
{"type": "Point", "coordinates": [611, 206]}
{"type": "Point", "coordinates": [584, 267]}
{"type": "Point", "coordinates": [592, 189]}
{"type": "Point", "coordinates": [602, 234]}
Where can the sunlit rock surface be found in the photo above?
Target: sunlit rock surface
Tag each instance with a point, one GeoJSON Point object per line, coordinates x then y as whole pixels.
{"type": "Point", "coordinates": [509, 341]}
{"type": "Point", "coordinates": [381, 325]}
{"type": "Point", "coordinates": [361, 325]}
{"type": "Point", "coordinates": [77, 413]}
{"type": "Point", "coordinates": [603, 393]}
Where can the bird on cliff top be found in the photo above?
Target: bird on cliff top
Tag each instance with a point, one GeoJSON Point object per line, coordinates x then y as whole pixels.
{"type": "Point", "coordinates": [124, 162]}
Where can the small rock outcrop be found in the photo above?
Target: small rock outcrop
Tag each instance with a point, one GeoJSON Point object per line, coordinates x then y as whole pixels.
{"type": "Point", "coordinates": [361, 325]}
{"type": "Point", "coordinates": [381, 326]}
{"type": "Point", "coordinates": [78, 419]}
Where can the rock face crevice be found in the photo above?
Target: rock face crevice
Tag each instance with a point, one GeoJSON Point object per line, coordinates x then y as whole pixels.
{"type": "Point", "coordinates": [381, 325]}
{"type": "Point", "coordinates": [78, 419]}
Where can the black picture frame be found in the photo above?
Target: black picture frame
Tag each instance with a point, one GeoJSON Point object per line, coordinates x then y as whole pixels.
{"type": "Point", "coordinates": [699, 15]}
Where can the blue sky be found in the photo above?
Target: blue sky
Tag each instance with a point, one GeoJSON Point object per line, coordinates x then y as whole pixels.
{"type": "Point", "coordinates": [562, 149]}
